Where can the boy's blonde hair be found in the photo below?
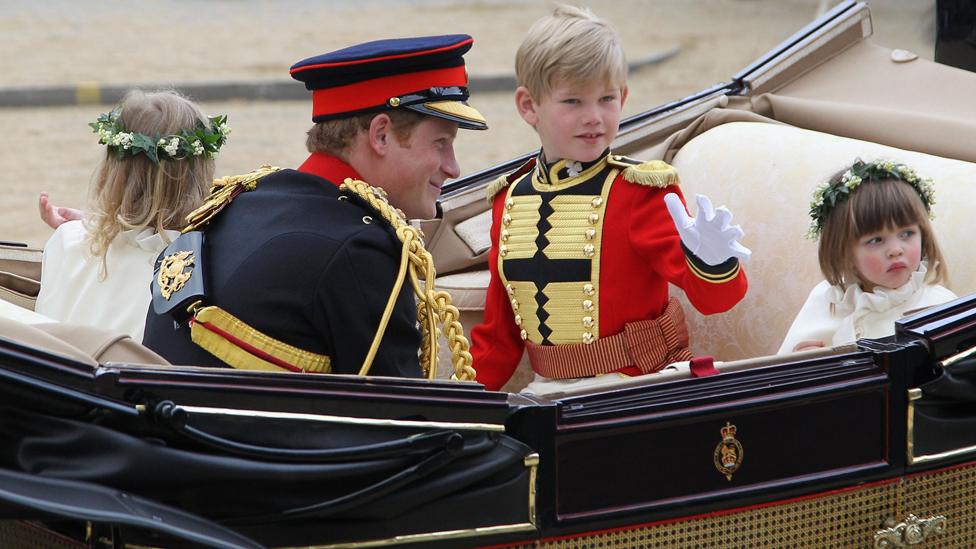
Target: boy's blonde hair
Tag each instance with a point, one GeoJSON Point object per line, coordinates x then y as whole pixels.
{"type": "Point", "coordinates": [572, 45]}
{"type": "Point", "coordinates": [875, 206]}
{"type": "Point", "coordinates": [135, 193]}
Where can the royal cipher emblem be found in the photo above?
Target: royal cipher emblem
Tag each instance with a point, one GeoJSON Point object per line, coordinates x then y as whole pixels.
{"type": "Point", "coordinates": [728, 453]}
{"type": "Point", "coordinates": [175, 270]}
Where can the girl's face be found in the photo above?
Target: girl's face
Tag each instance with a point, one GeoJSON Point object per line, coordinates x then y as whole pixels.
{"type": "Point", "coordinates": [888, 258]}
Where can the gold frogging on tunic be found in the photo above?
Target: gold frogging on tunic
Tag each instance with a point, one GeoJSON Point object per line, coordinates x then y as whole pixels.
{"type": "Point", "coordinates": [576, 226]}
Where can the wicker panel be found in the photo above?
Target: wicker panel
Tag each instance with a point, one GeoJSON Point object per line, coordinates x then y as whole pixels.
{"type": "Point", "coordinates": [951, 493]}
{"type": "Point", "coordinates": [24, 535]}
{"type": "Point", "coordinates": [846, 519]}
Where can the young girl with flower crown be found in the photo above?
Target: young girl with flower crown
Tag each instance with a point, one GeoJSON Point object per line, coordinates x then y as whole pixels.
{"type": "Point", "coordinates": [877, 252]}
{"type": "Point", "coordinates": [157, 168]}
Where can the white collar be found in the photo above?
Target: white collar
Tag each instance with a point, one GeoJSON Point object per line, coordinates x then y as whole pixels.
{"type": "Point", "coordinates": [148, 239]}
{"type": "Point", "coordinates": [853, 299]}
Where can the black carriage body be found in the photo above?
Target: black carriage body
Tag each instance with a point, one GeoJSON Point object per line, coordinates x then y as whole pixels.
{"type": "Point", "coordinates": [838, 442]}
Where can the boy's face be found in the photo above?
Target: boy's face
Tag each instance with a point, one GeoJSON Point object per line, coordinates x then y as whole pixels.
{"type": "Point", "coordinates": [575, 121]}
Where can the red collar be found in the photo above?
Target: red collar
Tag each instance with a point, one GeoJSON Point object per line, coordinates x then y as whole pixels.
{"type": "Point", "coordinates": [328, 167]}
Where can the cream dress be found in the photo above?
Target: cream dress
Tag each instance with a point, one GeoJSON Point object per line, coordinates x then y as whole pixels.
{"type": "Point", "coordinates": [857, 313]}
{"type": "Point", "coordinates": [71, 290]}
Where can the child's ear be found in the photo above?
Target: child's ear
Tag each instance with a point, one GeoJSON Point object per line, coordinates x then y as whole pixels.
{"type": "Point", "coordinates": [623, 95]}
{"type": "Point", "coordinates": [526, 106]}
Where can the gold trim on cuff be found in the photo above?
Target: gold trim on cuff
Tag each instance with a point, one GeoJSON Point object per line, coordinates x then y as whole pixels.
{"type": "Point", "coordinates": [713, 278]}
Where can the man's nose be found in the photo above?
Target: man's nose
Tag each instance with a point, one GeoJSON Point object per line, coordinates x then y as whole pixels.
{"type": "Point", "coordinates": [450, 165]}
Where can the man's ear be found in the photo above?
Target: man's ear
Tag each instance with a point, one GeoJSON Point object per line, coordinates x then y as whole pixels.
{"type": "Point", "coordinates": [379, 133]}
{"type": "Point", "coordinates": [526, 106]}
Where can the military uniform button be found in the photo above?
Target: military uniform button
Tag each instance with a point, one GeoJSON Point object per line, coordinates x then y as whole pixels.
{"type": "Point", "coordinates": [587, 305]}
{"type": "Point", "coordinates": [596, 202]}
{"type": "Point", "coordinates": [509, 203]}
{"type": "Point", "coordinates": [587, 321]}
{"type": "Point", "coordinates": [515, 305]}
{"type": "Point", "coordinates": [589, 251]}
{"type": "Point", "coordinates": [510, 290]}
{"type": "Point", "coordinates": [503, 250]}
{"type": "Point", "coordinates": [524, 335]}
{"type": "Point", "coordinates": [588, 289]}
{"type": "Point", "coordinates": [588, 338]}
{"type": "Point", "coordinates": [504, 236]}
{"type": "Point", "coordinates": [394, 101]}
{"type": "Point", "coordinates": [590, 234]}
{"type": "Point", "coordinates": [518, 320]}
{"type": "Point", "coordinates": [617, 157]}
{"type": "Point", "coordinates": [506, 220]}
{"type": "Point", "coordinates": [594, 218]}
{"type": "Point", "coordinates": [367, 219]}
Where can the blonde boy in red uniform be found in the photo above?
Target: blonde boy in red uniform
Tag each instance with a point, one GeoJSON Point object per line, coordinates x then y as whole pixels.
{"type": "Point", "coordinates": [584, 241]}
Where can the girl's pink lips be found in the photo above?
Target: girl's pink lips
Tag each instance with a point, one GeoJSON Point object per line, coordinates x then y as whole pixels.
{"type": "Point", "coordinates": [896, 266]}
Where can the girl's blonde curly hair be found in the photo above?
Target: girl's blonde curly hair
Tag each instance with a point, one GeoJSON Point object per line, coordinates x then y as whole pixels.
{"type": "Point", "coordinates": [133, 193]}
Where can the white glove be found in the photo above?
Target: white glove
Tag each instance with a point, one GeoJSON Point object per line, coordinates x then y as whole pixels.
{"type": "Point", "coordinates": [708, 235]}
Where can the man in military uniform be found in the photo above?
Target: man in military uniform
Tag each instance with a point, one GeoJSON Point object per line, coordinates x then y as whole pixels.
{"type": "Point", "coordinates": [300, 270]}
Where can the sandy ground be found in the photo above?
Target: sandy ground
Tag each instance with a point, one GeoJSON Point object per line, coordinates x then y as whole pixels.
{"type": "Point", "coordinates": [166, 42]}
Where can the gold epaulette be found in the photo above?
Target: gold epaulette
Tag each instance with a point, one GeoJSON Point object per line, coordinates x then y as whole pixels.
{"type": "Point", "coordinates": [222, 191]}
{"type": "Point", "coordinates": [654, 173]}
{"type": "Point", "coordinates": [503, 181]}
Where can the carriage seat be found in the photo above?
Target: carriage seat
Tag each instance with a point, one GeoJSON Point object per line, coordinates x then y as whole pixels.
{"type": "Point", "coordinates": [766, 174]}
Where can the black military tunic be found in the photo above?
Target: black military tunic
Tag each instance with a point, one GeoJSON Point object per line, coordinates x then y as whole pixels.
{"type": "Point", "coordinates": [308, 265]}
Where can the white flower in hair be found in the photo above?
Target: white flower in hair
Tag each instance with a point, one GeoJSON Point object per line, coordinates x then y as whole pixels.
{"type": "Point", "coordinates": [122, 139]}
{"type": "Point", "coordinates": [197, 147]}
{"type": "Point", "coordinates": [224, 129]}
{"type": "Point", "coordinates": [172, 147]}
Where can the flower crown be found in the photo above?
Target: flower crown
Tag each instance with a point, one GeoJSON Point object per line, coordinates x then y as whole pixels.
{"type": "Point", "coordinates": [834, 192]}
{"type": "Point", "coordinates": [201, 141]}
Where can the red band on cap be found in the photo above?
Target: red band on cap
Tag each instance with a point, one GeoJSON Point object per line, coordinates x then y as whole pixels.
{"type": "Point", "coordinates": [376, 92]}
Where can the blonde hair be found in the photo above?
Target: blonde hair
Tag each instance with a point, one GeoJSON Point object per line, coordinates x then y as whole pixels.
{"type": "Point", "coordinates": [572, 45]}
{"type": "Point", "coordinates": [875, 206]}
{"type": "Point", "coordinates": [133, 193]}
{"type": "Point", "coordinates": [334, 137]}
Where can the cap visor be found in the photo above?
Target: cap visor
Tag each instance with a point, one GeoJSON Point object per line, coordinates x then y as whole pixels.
{"type": "Point", "coordinates": [465, 115]}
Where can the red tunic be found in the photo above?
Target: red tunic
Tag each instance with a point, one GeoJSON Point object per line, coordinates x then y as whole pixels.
{"type": "Point", "coordinates": [641, 253]}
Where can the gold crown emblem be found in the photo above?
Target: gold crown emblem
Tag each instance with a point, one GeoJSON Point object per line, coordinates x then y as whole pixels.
{"type": "Point", "coordinates": [728, 431]}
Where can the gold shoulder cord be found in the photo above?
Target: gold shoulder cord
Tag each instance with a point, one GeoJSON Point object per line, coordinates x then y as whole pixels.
{"type": "Point", "coordinates": [433, 307]}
